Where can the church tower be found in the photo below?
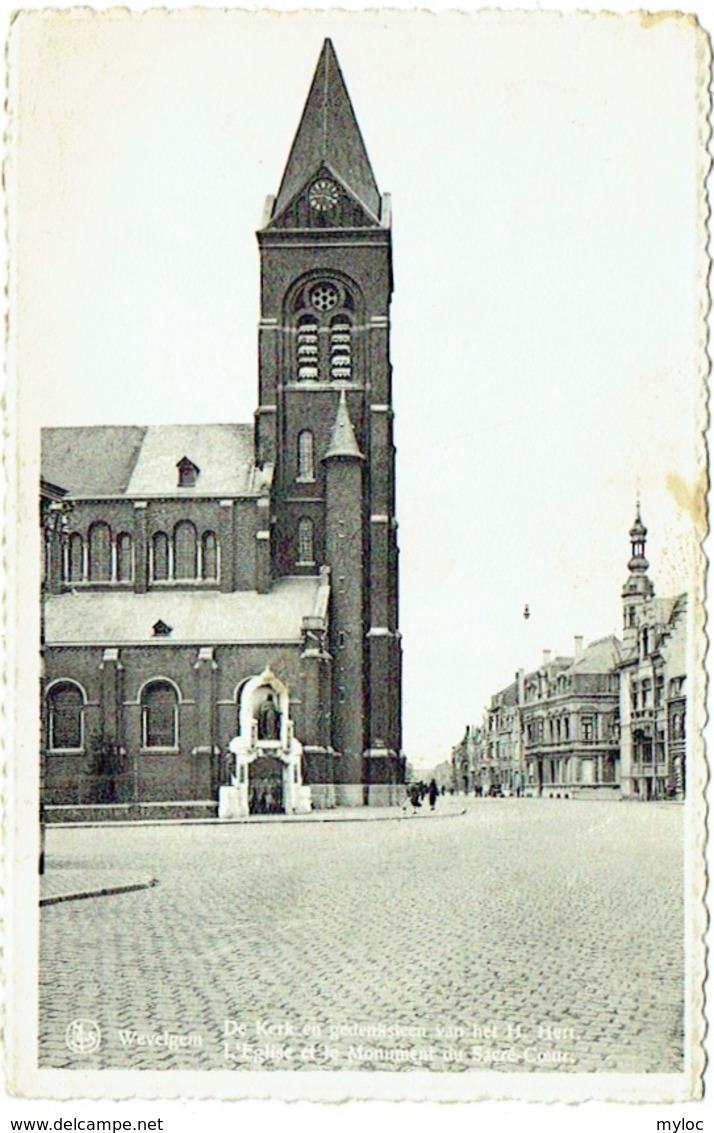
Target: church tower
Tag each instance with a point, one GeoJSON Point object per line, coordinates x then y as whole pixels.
{"type": "Point", "coordinates": [324, 425]}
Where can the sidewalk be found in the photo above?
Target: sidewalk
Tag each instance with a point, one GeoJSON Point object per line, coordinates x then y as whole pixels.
{"type": "Point", "coordinates": [58, 885]}
{"type": "Point", "coordinates": [446, 807]}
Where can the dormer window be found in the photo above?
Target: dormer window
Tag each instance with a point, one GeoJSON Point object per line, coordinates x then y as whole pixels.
{"type": "Point", "coordinates": [187, 473]}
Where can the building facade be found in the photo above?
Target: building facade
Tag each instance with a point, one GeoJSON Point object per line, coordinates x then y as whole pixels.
{"type": "Point", "coordinates": [608, 721]}
{"type": "Point", "coordinates": [221, 602]}
{"type": "Point", "coordinates": [653, 675]}
{"type": "Point", "coordinates": [569, 720]}
{"type": "Point", "coordinates": [467, 760]}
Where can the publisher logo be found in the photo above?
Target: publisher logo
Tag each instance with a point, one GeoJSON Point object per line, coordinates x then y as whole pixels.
{"type": "Point", "coordinates": [83, 1036]}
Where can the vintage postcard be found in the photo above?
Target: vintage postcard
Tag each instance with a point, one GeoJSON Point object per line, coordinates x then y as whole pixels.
{"type": "Point", "coordinates": [356, 682]}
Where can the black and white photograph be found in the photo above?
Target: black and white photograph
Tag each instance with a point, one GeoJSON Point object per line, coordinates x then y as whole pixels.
{"type": "Point", "coordinates": [356, 639]}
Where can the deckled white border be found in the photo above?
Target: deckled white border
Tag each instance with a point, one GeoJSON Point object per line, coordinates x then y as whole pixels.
{"type": "Point", "coordinates": [23, 627]}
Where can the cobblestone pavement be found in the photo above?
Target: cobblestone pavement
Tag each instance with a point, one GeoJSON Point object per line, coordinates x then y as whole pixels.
{"type": "Point", "coordinates": [525, 935]}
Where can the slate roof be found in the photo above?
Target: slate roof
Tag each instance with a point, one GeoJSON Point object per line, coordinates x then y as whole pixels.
{"type": "Point", "coordinates": [140, 461]}
{"type": "Point", "coordinates": [91, 460]}
{"type": "Point", "coordinates": [674, 646]}
{"type": "Point", "coordinates": [506, 698]}
{"type": "Point", "coordinates": [328, 135]}
{"type": "Point", "coordinates": [224, 454]}
{"type": "Point", "coordinates": [600, 656]}
{"type": "Point", "coordinates": [112, 618]}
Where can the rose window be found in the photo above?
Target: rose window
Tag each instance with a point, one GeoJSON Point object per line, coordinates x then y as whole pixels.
{"type": "Point", "coordinates": [324, 297]}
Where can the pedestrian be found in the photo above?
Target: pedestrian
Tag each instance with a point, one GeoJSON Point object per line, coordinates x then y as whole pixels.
{"type": "Point", "coordinates": [415, 796]}
{"type": "Point", "coordinates": [433, 793]}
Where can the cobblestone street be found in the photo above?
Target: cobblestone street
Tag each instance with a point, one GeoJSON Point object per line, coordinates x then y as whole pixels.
{"type": "Point", "coordinates": [524, 935]}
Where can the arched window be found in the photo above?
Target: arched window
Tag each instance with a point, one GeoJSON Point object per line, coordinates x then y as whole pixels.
{"type": "Point", "coordinates": [341, 349]}
{"type": "Point", "coordinates": [65, 712]}
{"type": "Point", "coordinates": [238, 697]}
{"type": "Point", "coordinates": [100, 553]}
{"type": "Point", "coordinates": [159, 557]}
{"type": "Point", "coordinates": [307, 349]}
{"type": "Point", "coordinates": [324, 313]}
{"type": "Point", "coordinates": [159, 715]}
{"type": "Point", "coordinates": [125, 558]}
{"type": "Point", "coordinates": [209, 555]}
{"type": "Point", "coordinates": [305, 541]}
{"type": "Point", "coordinates": [75, 558]}
{"type": "Point", "coordinates": [306, 456]}
{"type": "Point", "coordinates": [185, 547]}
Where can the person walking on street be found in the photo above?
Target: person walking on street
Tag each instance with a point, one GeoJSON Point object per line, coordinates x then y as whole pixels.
{"type": "Point", "coordinates": [433, 793]}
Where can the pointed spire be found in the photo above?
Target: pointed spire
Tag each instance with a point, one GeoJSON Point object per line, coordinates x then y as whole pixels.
{"type": "Point", "coordinates": [328, 135]}
{"type": "Point", "coordinates": [638, 584]}
{"type": "Point", "coordinates": [343, 441]}
{"type": "Point", "coordinates": [638, 545]}
{"type": "Point", "coordinates": [638, 531]}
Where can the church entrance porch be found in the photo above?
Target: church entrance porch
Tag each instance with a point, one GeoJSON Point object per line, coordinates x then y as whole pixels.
{"type": "Point", "coordinates": [265, 785]}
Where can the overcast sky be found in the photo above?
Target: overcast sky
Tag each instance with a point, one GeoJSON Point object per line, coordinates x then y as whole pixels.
{"type": "Point", "coordinates": [547, 339]}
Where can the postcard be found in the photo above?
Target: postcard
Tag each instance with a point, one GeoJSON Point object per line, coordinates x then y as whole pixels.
{"type": "Point", "coordinates": [357, 677]}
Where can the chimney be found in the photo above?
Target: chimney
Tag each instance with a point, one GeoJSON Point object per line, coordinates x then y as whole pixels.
{"type": "Point", "coordinates": [578, 648]}
{"type": "Point", "coordinates": [520, 685]}
{"type": "Point", "coordinates": [546, 657]}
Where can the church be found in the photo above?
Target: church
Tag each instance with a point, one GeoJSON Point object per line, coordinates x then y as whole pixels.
{"type": "Point", "coordinates": [220, 602]}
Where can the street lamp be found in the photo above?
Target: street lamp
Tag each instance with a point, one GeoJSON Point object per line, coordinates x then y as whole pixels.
{"type": "Point", "coordinates": [54, 521]}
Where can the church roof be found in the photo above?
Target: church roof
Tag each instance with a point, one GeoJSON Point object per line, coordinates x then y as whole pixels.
{"type": "Point", "coordinates": [328, 135]}
{"type": "Point", "coordinates": [140, 461]}
{"type": "Point", "coordinates": [94, 460]}
{"type": "Point", "coordinates": [343, 441]}
{"type": "Point", "coordinates": [113, 618]}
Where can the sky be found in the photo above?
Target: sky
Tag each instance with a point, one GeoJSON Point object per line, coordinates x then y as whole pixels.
{"type": "Point", "coordinates": [548, 315]}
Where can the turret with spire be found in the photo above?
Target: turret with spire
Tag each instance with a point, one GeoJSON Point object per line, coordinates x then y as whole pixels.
{"type": "Point", "coordinates": [638, 588]}
{"type": "Point", "coordinates": [344, 551]}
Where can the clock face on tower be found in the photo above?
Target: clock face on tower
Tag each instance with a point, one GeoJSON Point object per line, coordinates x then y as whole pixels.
{"type": "Point", "coordinates": [323, 195]}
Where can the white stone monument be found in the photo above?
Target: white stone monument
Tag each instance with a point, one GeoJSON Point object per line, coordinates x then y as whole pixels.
{"type": "Point", "coordinates": [249, 744]}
